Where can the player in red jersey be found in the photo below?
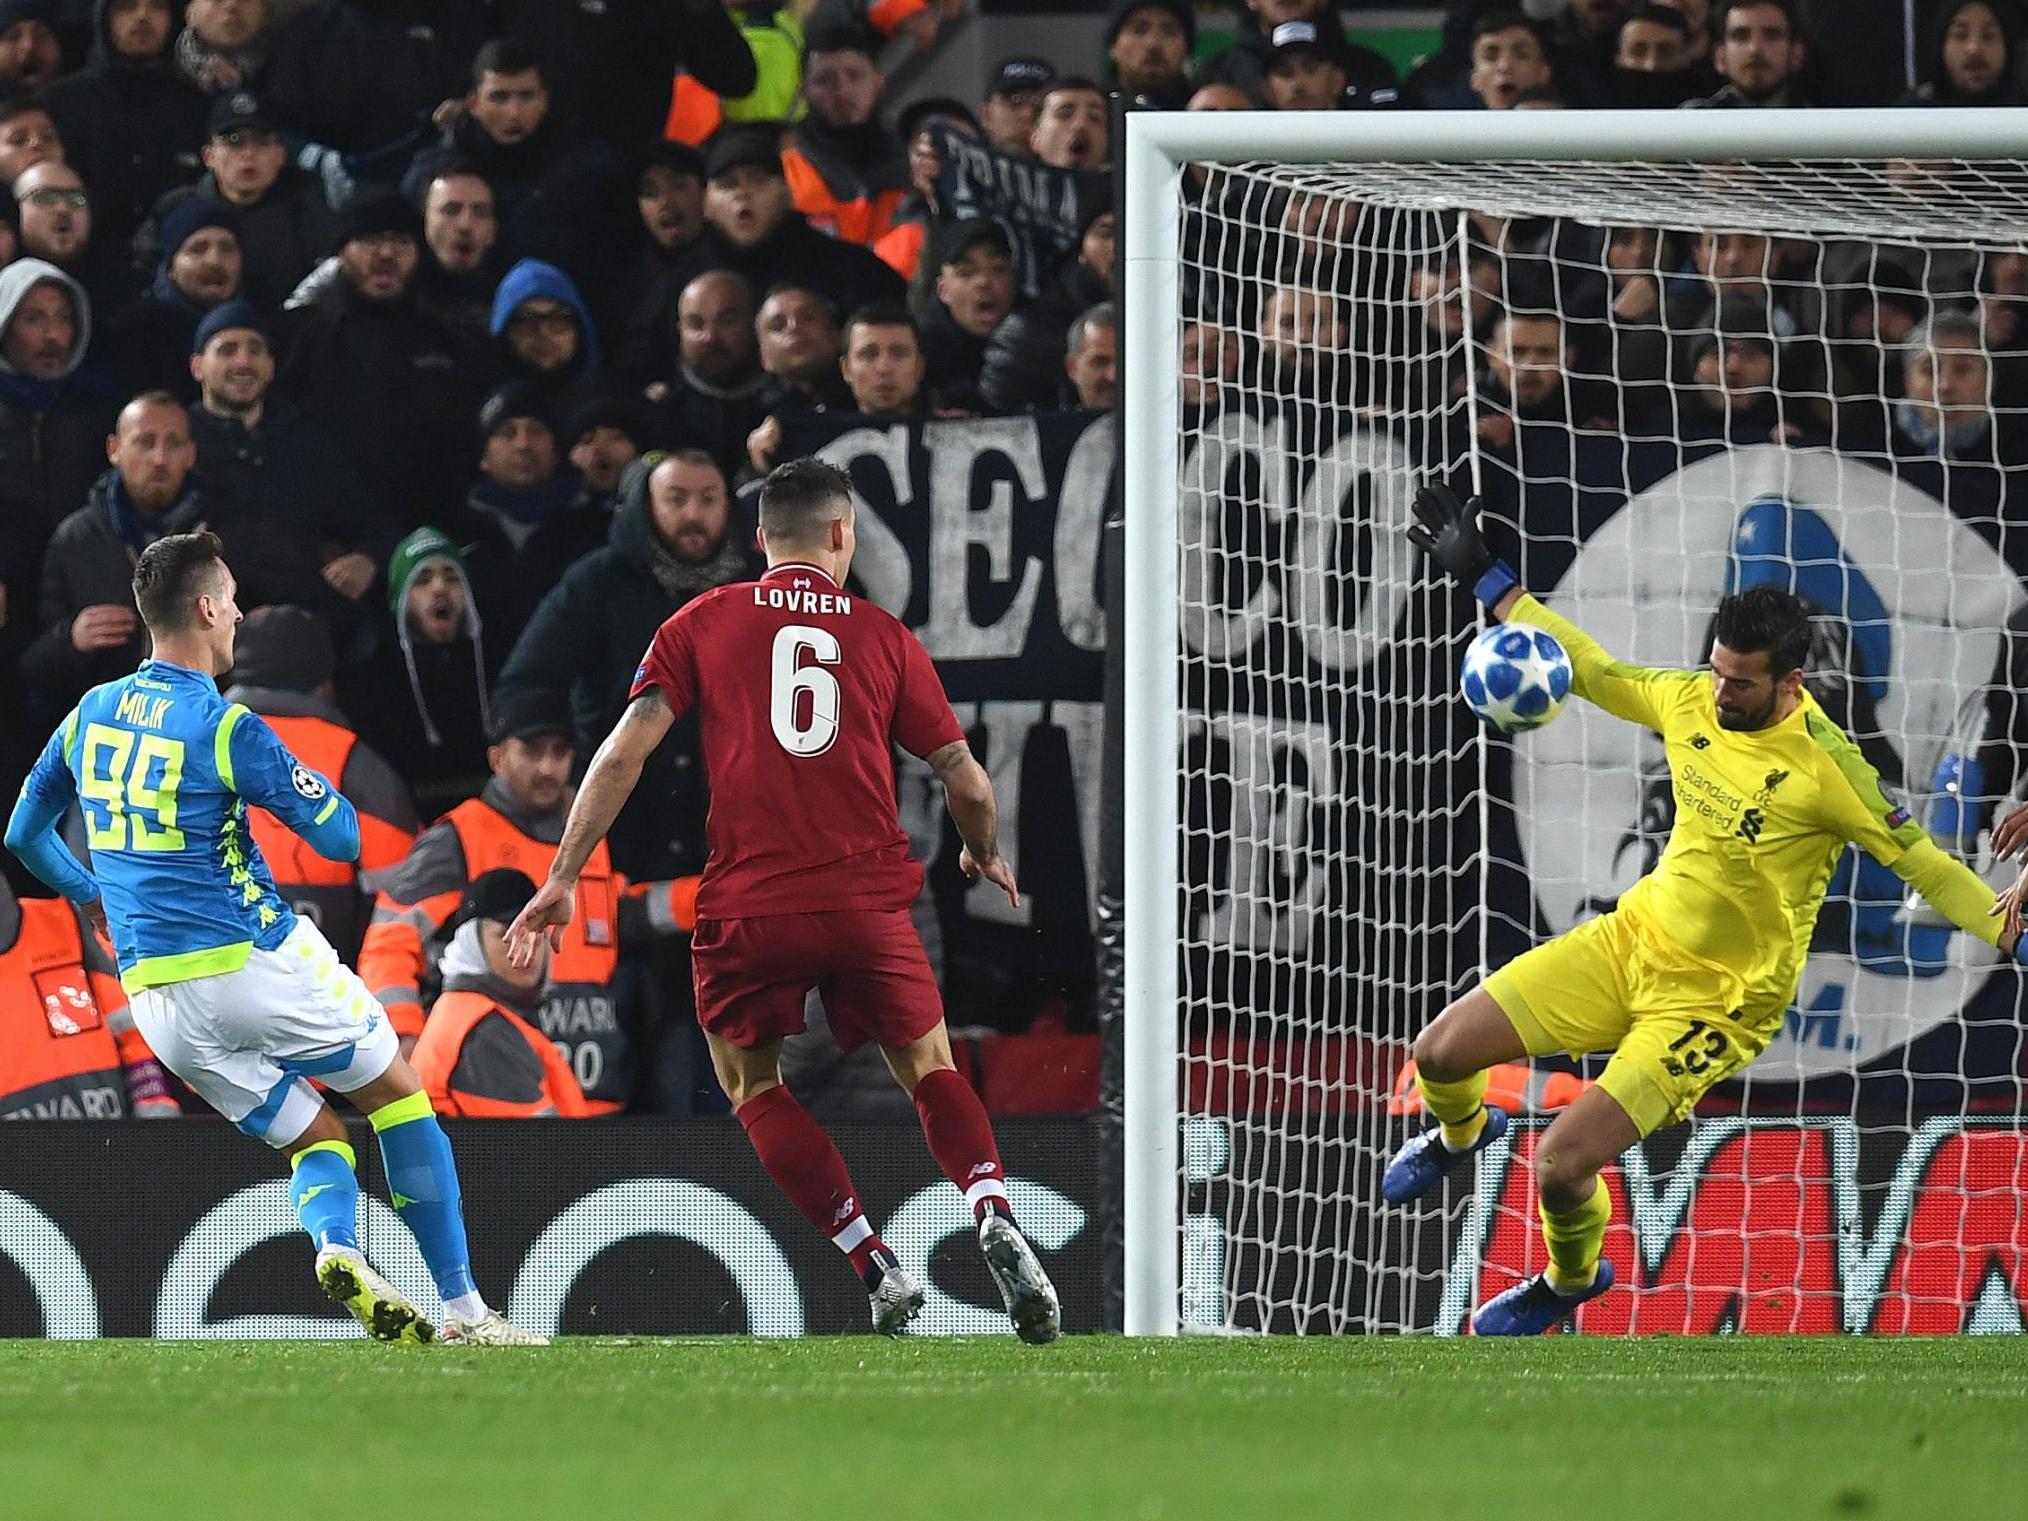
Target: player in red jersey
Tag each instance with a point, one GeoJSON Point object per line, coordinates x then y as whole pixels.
{"type": "Point", "coordinates": [801, 691]}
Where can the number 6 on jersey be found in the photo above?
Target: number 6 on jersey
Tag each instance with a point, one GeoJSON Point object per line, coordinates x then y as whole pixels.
{"type": "Point", "coordinates": [790, 679]}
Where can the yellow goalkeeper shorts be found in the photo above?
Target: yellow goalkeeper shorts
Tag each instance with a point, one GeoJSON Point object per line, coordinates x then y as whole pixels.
{"type": "Point", "coordinates": [1674, 1024]}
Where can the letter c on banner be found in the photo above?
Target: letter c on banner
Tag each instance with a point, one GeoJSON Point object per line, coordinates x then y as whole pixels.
{"type": "Point", "coordinates": [70, 1304]}
{"type": "Point", "coordinates": [658, 1207]}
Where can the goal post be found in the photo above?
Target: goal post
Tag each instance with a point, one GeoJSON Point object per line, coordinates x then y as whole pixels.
{"type": "Point", "coordinates": [1304, 887]}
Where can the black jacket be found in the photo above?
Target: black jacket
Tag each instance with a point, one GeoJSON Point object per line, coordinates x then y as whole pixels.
{"type": "Point", "coordinates": [586, 639]}
{"type": "Point", "coordinates": [1371, 80]}
{"type": "Point", "coordinates": [397, 388]}
{"type": "Point", "coordinates": [795, 253]}
{"type": "Point", "coordinates": [379, 698]}
{"type": "Point", "coordinates": [512, 566]}
{"type": "Point", "coordinates": [86, 565]}
{"type": "Point", "coordinates": [358, 75]}
{"type": "Point", "coordinates": [283, 236]}
{"type": "Point", "coordinates": [1024, 357]}
{"type": "Point", "coordinates": [131, 130]}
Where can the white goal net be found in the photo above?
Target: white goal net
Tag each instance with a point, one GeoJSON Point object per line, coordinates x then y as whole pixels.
{"type": "Point", "coordinates": [1668, 380]}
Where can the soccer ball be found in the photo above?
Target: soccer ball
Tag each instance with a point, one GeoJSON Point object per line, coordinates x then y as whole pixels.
{"type": "Point", "coordinates": [1516, 677]}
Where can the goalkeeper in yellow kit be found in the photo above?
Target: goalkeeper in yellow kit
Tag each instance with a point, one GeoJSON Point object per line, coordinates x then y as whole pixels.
{"type": "Point", "coordinates": [1688, 978]}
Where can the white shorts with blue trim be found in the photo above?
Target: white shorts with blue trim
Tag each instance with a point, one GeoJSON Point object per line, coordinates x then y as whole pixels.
{"type": "Point", "coordinates": [245, 1041]}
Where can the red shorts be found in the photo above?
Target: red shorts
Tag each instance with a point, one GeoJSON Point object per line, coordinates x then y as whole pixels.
{"type": "Point", "coordinates": [752, 976]}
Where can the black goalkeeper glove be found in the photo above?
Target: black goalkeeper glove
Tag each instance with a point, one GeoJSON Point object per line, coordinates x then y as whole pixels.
{"type": "Point", "coordinates": [1447, 530]}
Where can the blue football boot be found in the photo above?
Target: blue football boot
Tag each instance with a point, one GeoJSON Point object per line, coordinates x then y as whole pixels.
{"type": "Point", "coordinates": [1420, 1165]}
{"type": "Point", "coordinates": [1529, 1309]}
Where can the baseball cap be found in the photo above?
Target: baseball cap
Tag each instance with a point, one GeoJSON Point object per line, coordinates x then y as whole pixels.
{"type": "Point", "coordinates": [1012, 75]}
{"type": "Point", "coordinates": [1297, 39]}
{"type": "Point", "coordinates": [530, 713]}
{"type": "Point", "coordinates": [735, 147]}
{"type": "Point", "coordinates": [238, 108]}
{"type": "Point", "coordinates": [968, 232]}
{"type": "Point", "coordinates": [499, 895]}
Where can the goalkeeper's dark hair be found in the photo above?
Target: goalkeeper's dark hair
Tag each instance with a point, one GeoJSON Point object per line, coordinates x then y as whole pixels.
{"type": "Point", "coordinates": [170, 576]}
{"type": "Point", "coordinates": [1769, 618]}
{"type": "Point", "coordinates": [800, 500]}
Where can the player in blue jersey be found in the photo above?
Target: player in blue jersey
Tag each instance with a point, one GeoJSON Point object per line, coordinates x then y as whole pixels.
{"type": "Point", "coordinates": [235, 994]}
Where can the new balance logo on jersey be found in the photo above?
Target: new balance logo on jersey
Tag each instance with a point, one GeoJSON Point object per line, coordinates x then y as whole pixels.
{"type": "Point", "coordinates": [1700, 742]}
{"type": "Point", "coordinates": [983, 1170]}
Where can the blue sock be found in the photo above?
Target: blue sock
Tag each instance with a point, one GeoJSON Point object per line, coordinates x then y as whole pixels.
{"type": "Point", "coordinates": [325, 1190]}
{"type": "Point", "coordinates": [423, 1178]}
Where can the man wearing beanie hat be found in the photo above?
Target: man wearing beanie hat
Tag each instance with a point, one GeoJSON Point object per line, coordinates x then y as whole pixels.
{"type": "Point", "coordinates": [517, 821]}
{"type": "Point", "coordinates": [527, 516]}
{"type": "Point", "coordinates": [200, 268]}
{"type": "Point", "coordinates": [256, 449]}
{"type": "Point", "coordinates": [389, 379]}
{"type": "Point", "coordinates": [30, 56]}
{"type": "Point", "coordinates": [601, 438]}
{"type": "Point", "coordinates": [282, 667]}
{"type": "Point", "coordinates": [421, 695]}
{"type": "Point", "coordinates": [481, 1055]}
{"type": "Point", "coordinates": [131, 124]}
{"type": "Point", "coordinates": [1149, 43]}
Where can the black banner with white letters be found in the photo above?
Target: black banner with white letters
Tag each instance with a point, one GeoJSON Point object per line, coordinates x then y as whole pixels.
{"type": "Point", "coordinates": [983, 536]}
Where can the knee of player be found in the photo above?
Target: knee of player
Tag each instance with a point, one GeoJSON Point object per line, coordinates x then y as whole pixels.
{"type": "Point", "coordinates": [1560, 1178]}
{"type": "Point", "coordinates": [1435, 1057]}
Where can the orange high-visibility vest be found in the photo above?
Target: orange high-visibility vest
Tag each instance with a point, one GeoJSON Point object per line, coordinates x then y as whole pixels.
{"type": "Point", "coordinates": [65, 1033]}
{"type": "Point", "coordinates": [443, 1039]}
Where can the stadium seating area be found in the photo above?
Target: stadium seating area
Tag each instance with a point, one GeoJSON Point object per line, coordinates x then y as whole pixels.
{"type": "Point", "coordinates": [464, 324]}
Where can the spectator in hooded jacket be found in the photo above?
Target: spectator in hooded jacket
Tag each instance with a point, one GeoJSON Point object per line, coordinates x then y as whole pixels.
{"type": "Point", "coordinates": [544, 335]}
{"type": "Point", "coordinates": [201, 269]}
{"type": "Point", "coordinates": [132, 125]}
{"type": "Point", "coordinates": [422, 695]}
{"type": "Point", "coordinates": [30, 56]}
{"type": "Point", "coordinates": [1973, 57]}
{"type": "Point", "coordinates": [673, 539]}
{"type": "Point", "coordinates": [669, 202]}
{"type": "Point", "coordinates": [52, 433]}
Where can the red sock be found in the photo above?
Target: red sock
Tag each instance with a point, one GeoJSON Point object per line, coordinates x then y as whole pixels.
{"type": "Point", "coordinates": [807, 1167]}
{"type": "Point", "coordinates": [961, 1139]}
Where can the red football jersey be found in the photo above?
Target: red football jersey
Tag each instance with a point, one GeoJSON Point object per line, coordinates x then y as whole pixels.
{"type": "Point", "coordinates": [800, 691]}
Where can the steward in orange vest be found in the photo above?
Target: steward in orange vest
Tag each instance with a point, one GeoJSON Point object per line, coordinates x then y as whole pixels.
{"type": "Point", "coordinates": [846, 171]}
{"type": "Point", "coordinates": [282, 670]}
{"type": "Point", "coordinates": [68, 1046]}
{"type": "Point", "coordinates": [479, 1056]}
{"type": "Point", "coordinates": [517, 822]}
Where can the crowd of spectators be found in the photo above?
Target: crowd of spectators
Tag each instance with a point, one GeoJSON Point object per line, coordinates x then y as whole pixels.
{"type": "Point", "coordinates": [463, 323]}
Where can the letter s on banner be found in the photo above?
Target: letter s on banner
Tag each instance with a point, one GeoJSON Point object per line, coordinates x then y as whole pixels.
{"type": "Point", "coordinates": [658, 1207]}
{"type": "Point", "coordinates": [70, 1304]}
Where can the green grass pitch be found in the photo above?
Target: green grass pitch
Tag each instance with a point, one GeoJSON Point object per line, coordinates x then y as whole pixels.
{"type": "Point", "coordinates": [1732, 1428]}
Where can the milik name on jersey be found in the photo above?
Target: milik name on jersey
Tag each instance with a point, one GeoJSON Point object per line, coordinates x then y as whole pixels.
{"type": "Point", "coordinates": [795, 600]}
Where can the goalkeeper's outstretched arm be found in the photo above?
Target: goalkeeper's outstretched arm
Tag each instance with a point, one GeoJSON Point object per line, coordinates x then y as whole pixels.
{"type": "Point", "coordinates": [1447, 530]}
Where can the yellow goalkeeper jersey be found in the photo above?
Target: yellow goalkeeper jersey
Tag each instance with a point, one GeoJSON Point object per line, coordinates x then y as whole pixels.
{"type": "Point", "coordinates": [1761, 819]}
